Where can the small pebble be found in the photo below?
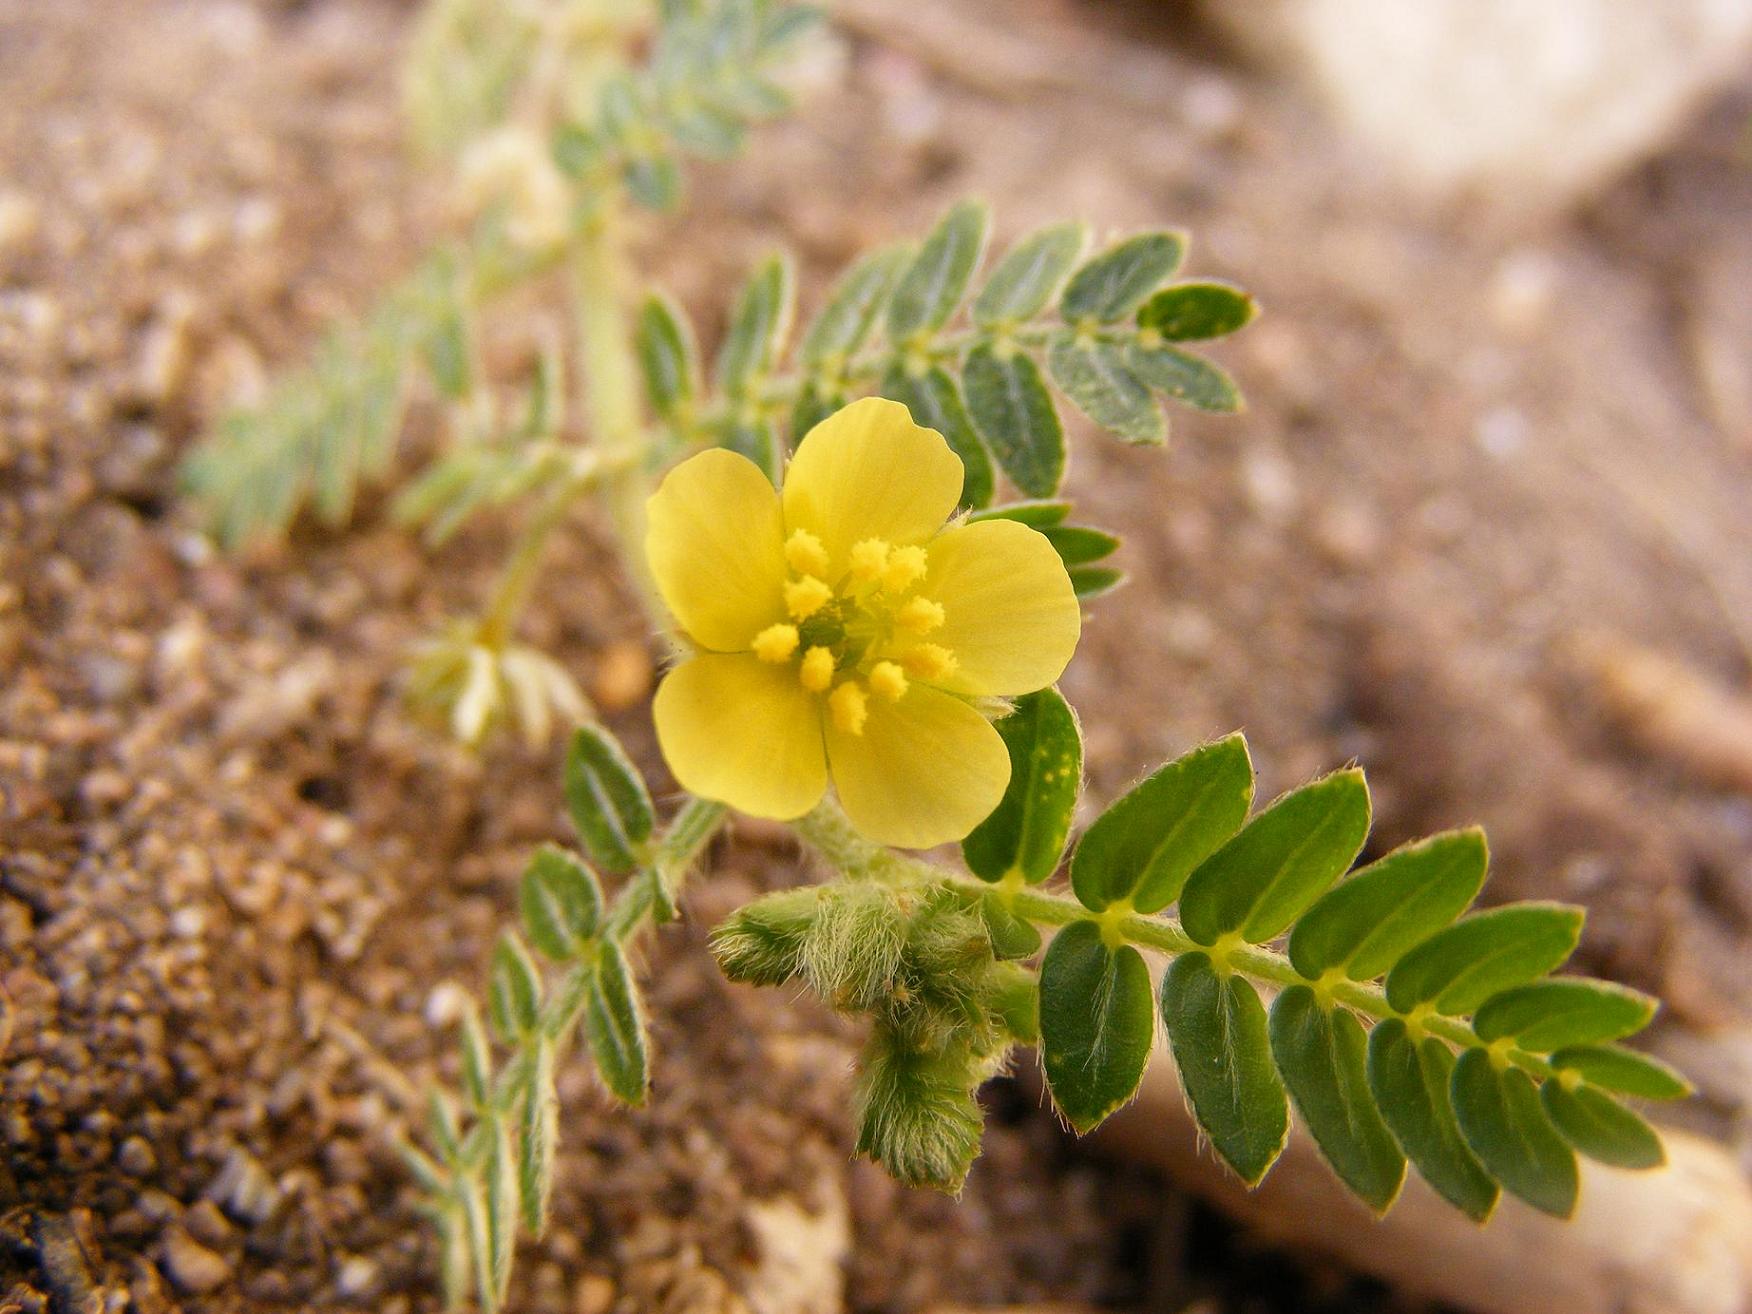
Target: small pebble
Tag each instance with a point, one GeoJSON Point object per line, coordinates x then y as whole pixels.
{"type": "Point", "coordinates": [135, 1157]}
{"type": "Point", "coordinates": [192, 1268]}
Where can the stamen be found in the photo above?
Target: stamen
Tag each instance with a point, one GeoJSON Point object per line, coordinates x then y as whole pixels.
{"type": "Point", "coordinates": [776, 643]}
{"type": "Point", "coordinates": [816, 672]}
{"type": "Point", "coordinates": [804, 553]}
{"type": "Point", "coordinates": [888, 680]}
{"type": "Point", "coordinates": [919, 615]}
{"type": "Point", "coordinates": [804, 597]}
{"type": "Point", "coordinates": [906, 567]}
{"type": "Point", "coordinates": [849, 707]}
{"type": "Point", "coordinates": [869, 559]}
{"type": "Point", "coordinates": [929, 661]}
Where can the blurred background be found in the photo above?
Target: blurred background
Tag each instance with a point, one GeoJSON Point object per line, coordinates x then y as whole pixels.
{"type": "Point", "coordinates": [1486, 527]}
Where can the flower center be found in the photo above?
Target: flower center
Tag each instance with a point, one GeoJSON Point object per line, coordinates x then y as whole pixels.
{"type": "Point", "coordinates": [861, 636]}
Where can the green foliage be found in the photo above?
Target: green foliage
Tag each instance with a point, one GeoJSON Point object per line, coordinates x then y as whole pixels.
{"type": "Point", "coordinates": [1096, 1023]}
{"type": "Point", "coordinates": [608, 800]}
{"type": "Point", "coordinates": [1026, 833]}
{"type": "Point", "coordinates": [1410, 1077]}
{"type": "Point", "coordinates": [1501, 1116]}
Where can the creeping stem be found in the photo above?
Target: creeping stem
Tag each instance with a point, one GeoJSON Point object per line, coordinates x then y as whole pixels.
{"type": "Point", "coordinates": [830, 834]}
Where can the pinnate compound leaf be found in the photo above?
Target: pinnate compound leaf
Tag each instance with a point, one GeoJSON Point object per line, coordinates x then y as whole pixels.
{"type": "Point", "coordinates": [1625, 1071]}
{"type": "Point", "coordinates": [850, 312]}
{"type": "Point", "coordinates": [668, 358]}
{"type": "Point", "coordinates": [1456, 970]}
{"type": "Point", "coordinates": [608, 801]}
{"type": "Point", "coordinates": [1014, 414]}
{"type": "Point", "coordinates": [1265, 877]}
{"type": "Point", "coordinates": [1109, 287]}
{"type": "Point", "coordinates": [1192, 312]}
{"type": "Point", "coordinates": [1365, 924]}
{"type": "Point", "coordinates": [614, 1026]}
{"type": "Point", "coordinates": [1144, 846]}
{"type": "Point", "coordinates": [1322, 1053]}
{"type": "Point", "coordinates": [1027, 831]}
{"type": "Point", "coordinates": [561, 902]}
{"type": "Point", "coordinates": [1500, 1115]}
{"type": "Point", "coordinates": [936, 280]}
{"type": "Point", "coordinates": [1097, 1019]}
{"type": "Point", "coordinates": [1185, 378]}
{"type": "Point", "coordinates": [1548, 1015]}
{"type": "Point", "coordinates": [1028, 275]}
{"type": "Point", "coordinates": [1094, 375]}
{"type": "Point", "coordinates": [758, 325]}
{"type": "Point", "coordinates": [935, 403]}
{"type": "Point", "coordinates": [1600, 1127]}
{"type": "Point", "coordinates": [1410, 1079]}
{"type": "Point", "coordinates": [1217, 1030]}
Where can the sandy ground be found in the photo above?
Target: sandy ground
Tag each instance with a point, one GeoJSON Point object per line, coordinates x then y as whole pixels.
{"type": "Point", "coordinates": [1483, 470]}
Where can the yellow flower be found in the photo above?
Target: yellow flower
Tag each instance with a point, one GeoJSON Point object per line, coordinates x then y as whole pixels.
{"type": "Point", "coordinates": [845, 626]}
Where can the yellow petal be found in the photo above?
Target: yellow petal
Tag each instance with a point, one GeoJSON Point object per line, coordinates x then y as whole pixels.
{"type": "Point", "coordinates": [869, 472]}
{"type": "Point", "coordinates": [742, 731]}
{"type": "Point", "coordinates": [716, 545]}
{"type": "Point", "coordinates": [1010, 614]}
{"type": "Point", "coordinates": [923, 771]}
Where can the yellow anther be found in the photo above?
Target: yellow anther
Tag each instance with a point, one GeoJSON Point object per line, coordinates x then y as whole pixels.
{"type": "Point", "coordinates": [776, 643]}
{"type": "Point", "coordinates": [869, 559]}
{"type": "Point", "coordinates": [816, 672]}
{"type": "Point", "coordinates": [919, 615]}
{"type": "Point", "coordinates": [929, 661]}
{"type": "Point", "coordinates": [849, 707]}
{"type": "Point", "coordinates": [804, 553]}
{"type": "Point", "coordinates": [906, 567]}
{"type": "Point", "coordinates": [804, 597]}
{"type": "Point", "coordinates": [888, 680]}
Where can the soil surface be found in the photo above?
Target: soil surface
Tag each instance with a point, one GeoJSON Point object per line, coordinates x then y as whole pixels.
{"type": "Point", "coordinates": [1486, 472]}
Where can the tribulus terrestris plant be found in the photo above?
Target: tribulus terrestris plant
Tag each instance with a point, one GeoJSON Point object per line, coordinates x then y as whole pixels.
{"type": "Point", "coordinates": [854, 537]}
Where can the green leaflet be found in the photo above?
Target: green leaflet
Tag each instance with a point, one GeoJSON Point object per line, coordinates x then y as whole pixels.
{"type": "Point", "coordinates": [561, 902]}
{"type": "Point", "coordinates": [935, 403]}
{"type": "Point", "coordinates": [936, 280]}
{"type": "Point", "coordinates": [1014, 413]}
{"type": "Point", "coordinates": [1184, 378]}
{"type": "Point", "coordinates": [1012, 936]}
{"type": "Point", "coordinates": [477, 1059]}
{"type": "Point", "coordinates": [1266, 876]}
{"type": "Point", "coordinates": [1548, 1015]}
{"type": "Point", "coordinates": [1191, 312]}
{"type": "Point", "coordinates": [1482, 955]}
{"type": "Point", "coordinates": [607, 799]}
{"type": "Point", "coordinates": [1092, 581]}
{"type": "Point", "coordinates": [1109, 287]}
{"type": "Point", "coordinates": [1322, 1055]}
{"type": "Point", "coordinates": [845, 320]}
{"type": "Point", "coordinates": [1600, 1127]}
{"type": "Point", "coordinates": [538, 1135]}
{"type": "Point", "coordinates": [1503, 1121]}
{"type": "Point", "coordinates": [758, 440]}
{"type": "Point", "coordinates": [1079, 544]}
{"type": "Point", "coordinates": [668, 358]}
{"type": "Point", "coordinates": [1013, 996]}
{"type": "Point", "coordinates": [1217, 1030]}
{"type": "Point", "coordinates": [1036, 515]}
{"type": "Point", "coordinates": [1625, 1071]}
{"type": "Point", "coordinates": [707, 132]}
{"type": "Point", "coordinates": [513, 989]}
{"type": "Point", "coordinates": [1028, 275]}
{"type": "Point", "coordinates": [1094, 375]}
{"type": "Point", "coordinates": [1096, 1023]}
{"type": "Point", "coordinates": [614, 1026]}
{"type": "Point", "coordinates": [1143, 847]}
{"type": "Point", "coordinates": [1027, 831]}
{"type": "Point", "coordinates": [654, 181]}
{"type": "Point", "coordinates": [1367, 923]}
{"type": "Point", "coordinates": [501, 1210]}
{"type": "Point", "coordinates": [1410, 1079]}
{"type": "Point", "coordinates": [758, 326]}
